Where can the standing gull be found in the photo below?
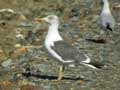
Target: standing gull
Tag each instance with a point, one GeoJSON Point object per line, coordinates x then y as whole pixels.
{"type": "Point", "coordinates": [62, 51]}
{"type": "Point", "coordinates": [107, 21]}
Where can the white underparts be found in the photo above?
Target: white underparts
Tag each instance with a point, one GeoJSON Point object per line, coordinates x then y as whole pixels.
{"type": "Point", "coordinates": [53, 36]}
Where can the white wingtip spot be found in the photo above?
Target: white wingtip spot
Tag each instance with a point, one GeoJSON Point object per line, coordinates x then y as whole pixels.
{"type": "Point", "coordinates": [89, 65]}
{"type": "Point", "coordinates": [87, 60]}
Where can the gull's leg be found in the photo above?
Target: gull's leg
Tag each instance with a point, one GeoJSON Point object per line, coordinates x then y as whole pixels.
{"type": "Point", "coordinates": [110, 37]}
{"type": "Point", "coordinates": [105, 35]}
{"type": "Point", "coordinates": [61, 73]}
{"type": "Point", "coordinates": [101, 34]}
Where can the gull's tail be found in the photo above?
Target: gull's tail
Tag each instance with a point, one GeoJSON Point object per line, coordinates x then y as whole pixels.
{"type": "Point", "coordinates": [108, 27]}
{"type": "Point", "coordinates": [93, 64]}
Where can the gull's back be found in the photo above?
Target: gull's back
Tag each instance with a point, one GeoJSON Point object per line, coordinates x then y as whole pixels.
{"type": "Point", "coordinates": [107, 21]}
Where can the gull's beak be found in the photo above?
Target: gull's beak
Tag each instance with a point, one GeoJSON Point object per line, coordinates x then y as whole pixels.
{"type": "Point", "coordinates": [38, 19]}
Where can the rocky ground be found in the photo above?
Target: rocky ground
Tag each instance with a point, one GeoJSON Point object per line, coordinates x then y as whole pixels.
{"type": "Point", "coordinates": [24, 64]}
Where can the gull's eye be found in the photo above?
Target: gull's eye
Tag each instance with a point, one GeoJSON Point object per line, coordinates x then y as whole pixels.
{"type": "Point", "coordinates": [50, 18]}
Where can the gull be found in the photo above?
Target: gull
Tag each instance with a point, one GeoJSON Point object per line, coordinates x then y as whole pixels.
{"type": "Point", "coordinates": [60, 50]}
{"type": "Point", "coordinates": [107, 21]}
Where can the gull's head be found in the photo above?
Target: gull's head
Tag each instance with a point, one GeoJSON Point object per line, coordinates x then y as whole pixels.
{"type": "Point", "coordinates": [51, 19]}
{"type": "Point", "coordinates": [104, 1]}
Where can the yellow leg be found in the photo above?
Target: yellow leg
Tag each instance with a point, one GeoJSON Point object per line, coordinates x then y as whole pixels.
{"type": "Point", "coordinates": [61, 73]}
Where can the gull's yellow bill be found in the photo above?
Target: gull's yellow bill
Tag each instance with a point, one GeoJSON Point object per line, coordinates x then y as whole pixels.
{"type": "Point", "coordinates": [38, 19]}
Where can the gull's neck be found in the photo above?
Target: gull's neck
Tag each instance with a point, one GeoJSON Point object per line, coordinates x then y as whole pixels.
{"type": "Point", "coordinates": [106, 8]}
{"type": "Point", "coordinates": [53, 29]}
{"type": "Point", "coordinates": [53, 33]}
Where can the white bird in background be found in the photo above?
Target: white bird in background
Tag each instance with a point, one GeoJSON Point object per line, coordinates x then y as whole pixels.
{"type": "Point", "coordinates": [62, 51]}
{"type": "Point", "coordinates": [107, 22]}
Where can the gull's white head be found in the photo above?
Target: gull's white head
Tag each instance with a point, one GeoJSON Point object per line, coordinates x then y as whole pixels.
{"type": "Point", "coordinates": [53, 34]}
{"type": "Point", "coordinates": [51, 19]}
{"type": "Point", "coordinates": [105, 1]}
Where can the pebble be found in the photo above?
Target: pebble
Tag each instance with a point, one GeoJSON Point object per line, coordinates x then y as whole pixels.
{"type": "Point", "coordinates": [1, 50]}
{"type": "Point", "coordinates": [7, 63]}
{"type": "Point", "coordinates": [17, 45]}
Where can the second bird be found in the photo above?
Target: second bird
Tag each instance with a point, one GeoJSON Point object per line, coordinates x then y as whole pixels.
{"type": "Point", "coordinates": [107, 22]}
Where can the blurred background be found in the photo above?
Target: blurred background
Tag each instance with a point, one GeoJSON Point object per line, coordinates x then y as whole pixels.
{"type": "Point", "coordinates": [24, 64]}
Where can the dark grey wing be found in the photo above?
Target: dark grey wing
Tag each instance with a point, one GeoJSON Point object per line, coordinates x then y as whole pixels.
{"type": "Point", "coordinates": [107, 21]}
{"type": "Point", "coordinates": [67, 52]}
